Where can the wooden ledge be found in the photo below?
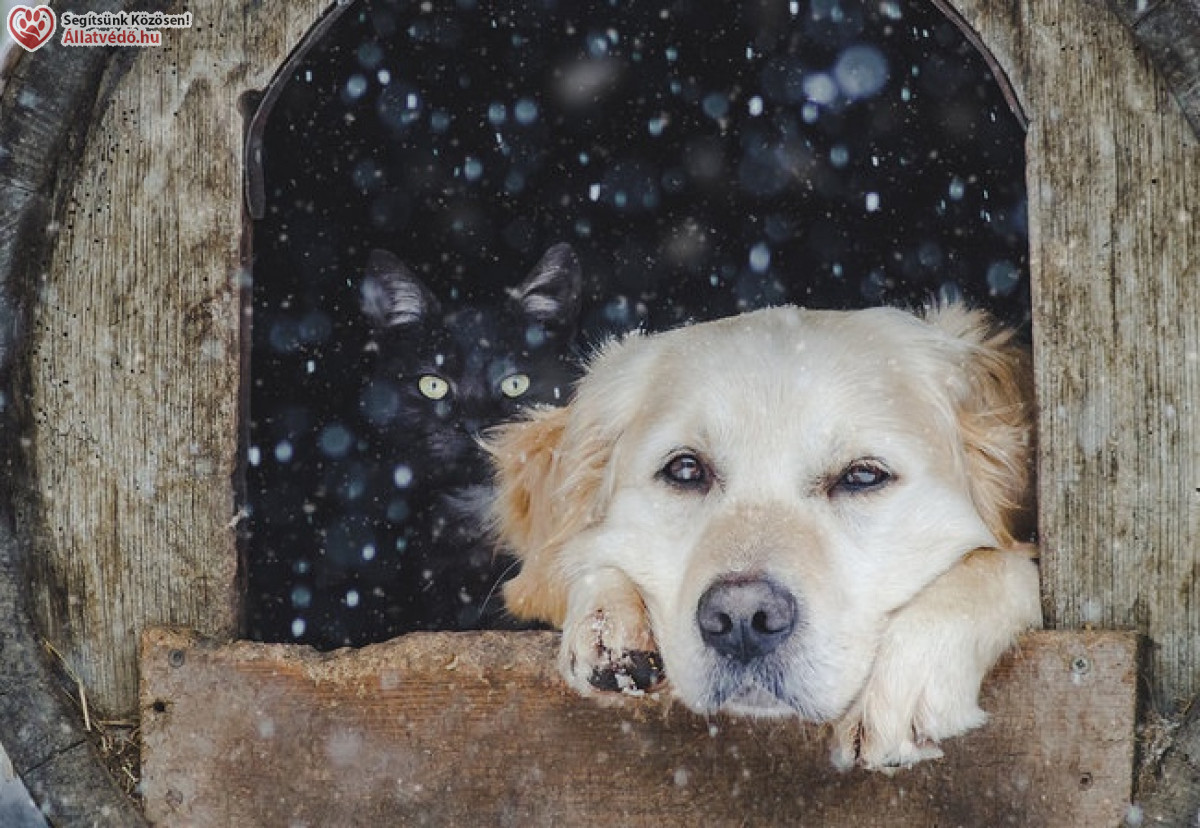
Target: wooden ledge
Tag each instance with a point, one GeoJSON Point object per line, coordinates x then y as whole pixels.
{"type": "Point", "coordinates": [476, 728]}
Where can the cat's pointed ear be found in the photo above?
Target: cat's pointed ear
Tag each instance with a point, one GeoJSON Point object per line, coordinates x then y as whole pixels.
{"type": "Point", "coordinates": [391, 295]}
{"type": "Point", "coordinates": [550, 294]}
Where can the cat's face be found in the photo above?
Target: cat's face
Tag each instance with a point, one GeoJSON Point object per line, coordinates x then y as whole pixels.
{"type": "Point", "coordinates": [445, 376]}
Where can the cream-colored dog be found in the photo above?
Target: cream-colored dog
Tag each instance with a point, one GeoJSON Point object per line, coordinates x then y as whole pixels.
{"type": "Point", "coordinates": [809, 513]}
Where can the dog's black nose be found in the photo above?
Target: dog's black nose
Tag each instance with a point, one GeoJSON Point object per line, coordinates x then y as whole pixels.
{"type": "Point", "coordinates": [746, 620]}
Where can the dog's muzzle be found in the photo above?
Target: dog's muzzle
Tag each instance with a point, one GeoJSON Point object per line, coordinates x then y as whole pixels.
{"type": "Point", "coordinates": [746, 619]}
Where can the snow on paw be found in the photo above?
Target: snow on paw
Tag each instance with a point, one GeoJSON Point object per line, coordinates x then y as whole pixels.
{"type": "Point", "coordinates": [633, 672]}
{"type": "Point", "coordinates": [605, 652]}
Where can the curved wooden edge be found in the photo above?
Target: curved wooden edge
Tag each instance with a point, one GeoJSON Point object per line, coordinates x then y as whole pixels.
{"type": "Point", "coordinates": [262, 104]}
{"type": "Point", "coordinates": [476, 728]}
{"type": "Point", "coordinates": [41, 130]}
{"type": "Point", "coordinates": [1169, 32]}
{"type": "Point", "coordinates": [41, 733]}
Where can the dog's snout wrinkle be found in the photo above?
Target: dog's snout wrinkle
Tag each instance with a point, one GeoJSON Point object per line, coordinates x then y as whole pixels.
{"type": "Point", "coordinates": [746, 619]}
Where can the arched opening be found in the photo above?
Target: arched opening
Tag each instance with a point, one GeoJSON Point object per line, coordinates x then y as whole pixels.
{"type": "Point", "coordinates": [421, 169]}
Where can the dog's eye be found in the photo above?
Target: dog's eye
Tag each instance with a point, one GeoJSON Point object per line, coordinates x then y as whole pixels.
{"type": "Point", "coordinates": [861, 476]}
{"type": "Point", "coordinates": [687, 470]}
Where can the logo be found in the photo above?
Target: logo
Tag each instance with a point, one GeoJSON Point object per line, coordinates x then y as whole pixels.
{"type": "Point", "coordinates": [31, 27]}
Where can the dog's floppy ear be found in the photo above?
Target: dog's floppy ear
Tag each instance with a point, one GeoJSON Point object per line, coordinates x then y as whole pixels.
{"type": "Point", "coordinates": [530, 478]}
{"type": "Point", "coordinates": [555, 474]}
{"type": "Point", "coordinates": [995, 415]}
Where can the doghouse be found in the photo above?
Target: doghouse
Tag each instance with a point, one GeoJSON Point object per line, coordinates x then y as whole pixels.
{"type": "Point", "coordinates": [123, 261]}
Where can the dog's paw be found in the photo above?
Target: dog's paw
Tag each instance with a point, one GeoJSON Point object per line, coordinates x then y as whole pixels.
{"type": "Point", "coordinates": [932, 659]}
{"type": "Point", "coordinates": [923, 687]}
{"type": "Point", "coordinates": [610, 652]}
{"type": "Point", "coordinates": [607, 645]}
{"type": "Point", "coordinates": [885, 733]}
{"type": "Point", "coordinates": [900, 717]}
{"type": "Point", "coordinates": [855, 744]}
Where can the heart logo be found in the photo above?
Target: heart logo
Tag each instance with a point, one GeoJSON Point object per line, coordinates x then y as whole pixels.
{"type": "Point", "coordinates": [31, 27]}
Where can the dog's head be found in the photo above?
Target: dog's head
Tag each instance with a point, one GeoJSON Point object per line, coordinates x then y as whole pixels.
{"type": "Point", "coordinates": [775, 484]}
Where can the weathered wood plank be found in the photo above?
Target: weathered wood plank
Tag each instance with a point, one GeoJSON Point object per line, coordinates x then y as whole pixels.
{"type": "Point", "coordinates": [44, 119]}
{"type": "Point", "coordinates": [1171, 794]}
{"type": "Point", "coordinates": [41, 731]}
{"type": "Point", "coordinates": [1114, 224]}
{"type": "Point", "coordinates": [1169, 32]}
{"type": "Point", "coordinates": [134, 379]}
{"type": "Point", "coordinates": [458, 729]}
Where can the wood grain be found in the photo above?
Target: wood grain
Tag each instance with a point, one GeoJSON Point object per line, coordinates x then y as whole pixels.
{"type": "Point", "coordinates": [134, 348]}
{"type": "Point", "coordinates": [44, 119]}
{"type": "Point", "coordinates": [477, 729]}
{"type": "Point", "coordinates": [1114, 231]}
{"type": "Point", "coordinates": [1169, 32]}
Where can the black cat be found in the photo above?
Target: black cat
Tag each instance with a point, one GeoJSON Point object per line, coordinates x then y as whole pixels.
{"type": "Point", "coordinates": [445, 375]}
{"type": "Point", "coordinates": [442, 376]}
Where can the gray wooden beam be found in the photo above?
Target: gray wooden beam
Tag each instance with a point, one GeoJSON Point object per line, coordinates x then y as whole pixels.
{"type": "Point", "coordinates": [1169, 32]}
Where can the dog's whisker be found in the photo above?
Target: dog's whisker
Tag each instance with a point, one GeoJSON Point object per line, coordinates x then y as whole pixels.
{"type": "Point", "coordinates": [500, 579]}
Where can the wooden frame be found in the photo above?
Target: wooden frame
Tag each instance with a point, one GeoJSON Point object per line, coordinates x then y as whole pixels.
{"type": "Point", "coordinates": [477, 728]}
{"type": "Point", "coordinates": [127, 357]}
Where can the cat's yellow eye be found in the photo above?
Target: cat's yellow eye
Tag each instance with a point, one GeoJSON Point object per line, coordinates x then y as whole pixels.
{"type": "Point", "coordinates": [514, 385]}
{"type": "Point", "coordinates": [433, 386]}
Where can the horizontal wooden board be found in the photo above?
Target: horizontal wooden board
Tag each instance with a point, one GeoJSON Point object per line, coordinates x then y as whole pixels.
{"type": "Point", "coordinates": [476, 728]}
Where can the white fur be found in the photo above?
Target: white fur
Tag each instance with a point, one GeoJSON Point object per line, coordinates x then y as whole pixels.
{"type": "Point", "coordinates": [908, 593]}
